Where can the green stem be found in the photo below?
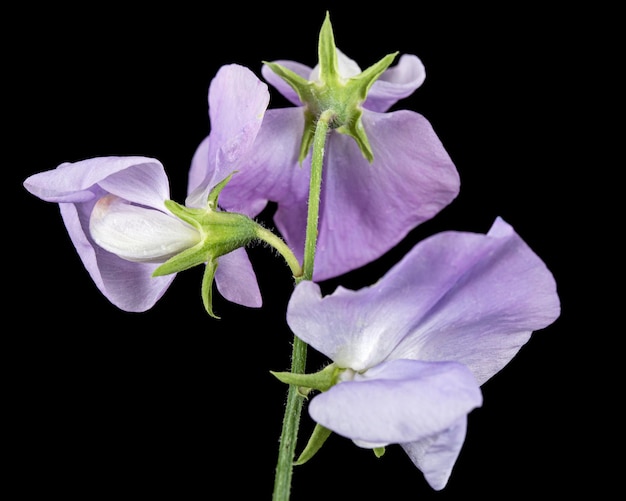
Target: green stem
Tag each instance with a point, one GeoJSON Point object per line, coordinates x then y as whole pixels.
{"type": "Point", "coordinates": [278, 244]}
{"type": "Point", "coordinates": [293, 410]}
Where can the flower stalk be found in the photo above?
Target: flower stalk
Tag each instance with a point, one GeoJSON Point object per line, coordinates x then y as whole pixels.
{"type": "Point", "coordinates": [293, 409]}
{"type": "Point", "coordinates": [281, 247]}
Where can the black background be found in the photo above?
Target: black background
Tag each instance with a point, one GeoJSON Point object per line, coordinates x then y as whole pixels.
{"type": "Point", "coordinates": [172, 403]}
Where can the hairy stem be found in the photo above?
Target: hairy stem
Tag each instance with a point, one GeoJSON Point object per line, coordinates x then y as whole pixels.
{"type": "Point", "coordinates": [293, 409]}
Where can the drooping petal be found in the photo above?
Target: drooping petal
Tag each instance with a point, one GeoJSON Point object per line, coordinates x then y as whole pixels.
{"type": "Point", "coordinates": [237, 103]}
{"type": "Point", "coordinates": [484, 296]}
{"type": "Point", "coordinates": [236, 281]}
{"type": "Point", "coordinates": [136, 233]}
{"type": "Point", "coordinates": [129, 286]}
{"type": "Point", "coordinates": [436, 455]}
{"type": "Point", "coordinates": [368, 208]}
{"type": "Point", "coordinates": [397, 82]}
{"type": "Point", "coordinates": [398, 402]}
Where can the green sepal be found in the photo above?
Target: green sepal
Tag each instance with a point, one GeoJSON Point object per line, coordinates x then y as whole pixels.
{"type": "Point", "coordinates": [342, 96]}
{"type": "Point", "coordinates": [327, 54]}
{"type": "Point", "coordinates": [220, 233]}
{"type": "Point", "coordinates": [217, 189]}
{"type": "Point", "coordinates": [303, 88]}
{"type": "Point", "coordinates": [321, 380]}
{"type": "Point", "coordinates": [317, 439]}
{"type": "Point", "coordinates": [182, 261]}
{"type": "Point", "coordinates": [360, 86]}
{"type": "Point", "coordinates": [365, 79]}
{"type": "Point", "coordinates": [310, 121]}
{"type": "Point", "coordinates": [220, 225]}
{"type": "Point", "coordinates": [296, 82]}
{"type": "Point", "coordinates": [207, 286]}
{"type": "Point", "coordinates": [378, 451]}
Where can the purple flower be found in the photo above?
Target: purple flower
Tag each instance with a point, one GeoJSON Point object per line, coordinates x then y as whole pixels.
{"type": "Point", "coordinates": [135, 188]}
{"type": "Point", "coordinates": [366, 208]}
{"type": "Point", "coordinates": [413, 349]}
{"type": "Point", "coordinates": [114, 211]}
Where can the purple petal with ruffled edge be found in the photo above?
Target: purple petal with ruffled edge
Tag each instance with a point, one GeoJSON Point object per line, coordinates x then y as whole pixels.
{"type": "Point", "coordinates": [436, 455]}
{"type": "Point", "coordinates": [456, 296]}
{"type": "Point", "coordinates": [488, 294]}
{"type": "Point", "coordinates": [397, 82]}
{"type": "Point", "coordinates": [398, 401]}
{"type": "Point", "coordinates": [77, 187]}
{"type": "Point", "coordinates": [237, 102]}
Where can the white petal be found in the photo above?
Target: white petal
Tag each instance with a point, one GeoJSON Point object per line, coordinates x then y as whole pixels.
{"type": "Point", "coordinates": [138, 234]}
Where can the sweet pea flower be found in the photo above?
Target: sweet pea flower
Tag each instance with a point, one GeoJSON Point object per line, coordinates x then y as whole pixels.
{"type": "Point", "coordinates": [133, 234]}
{"type": "Point", "coordinates": [116, 212]}
{"type": "Point", "coordinates": [411, 351]}
{"type": "Point", "coordinates": [384, 174]}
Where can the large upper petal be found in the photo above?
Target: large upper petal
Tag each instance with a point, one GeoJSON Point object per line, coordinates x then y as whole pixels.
{"type": "Point", "coordinates": [366, 209]}
{"type": "Point", "coordinates": [398, 402]}
{"type": "Point", "coordinates": [237, 103]}
{"type": "Point", "coordinates": [436, 455]}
